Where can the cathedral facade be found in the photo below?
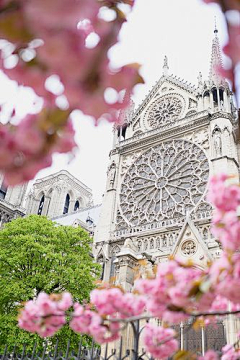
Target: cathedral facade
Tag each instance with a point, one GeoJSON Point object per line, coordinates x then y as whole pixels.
{"type": "Point", "coordinates": [155, 203]}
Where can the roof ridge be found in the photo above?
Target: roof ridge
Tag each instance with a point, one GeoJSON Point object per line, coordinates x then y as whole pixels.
{"type": "Point", "coordinates": [76, 212]}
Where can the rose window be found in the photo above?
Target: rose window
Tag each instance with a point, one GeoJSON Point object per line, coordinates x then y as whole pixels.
{"type": "Point", "coordinates": [189, 247]}
{"type": "Point", "coordinates": [165, 182]}
{"type": "Point", "coordinates": [165, 110]}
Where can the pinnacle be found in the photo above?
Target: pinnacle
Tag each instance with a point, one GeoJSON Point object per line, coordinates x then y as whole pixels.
{"type": "Point", "coordinates": [216, 60]}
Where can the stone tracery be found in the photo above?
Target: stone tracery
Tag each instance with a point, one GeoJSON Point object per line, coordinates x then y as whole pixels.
{"type": "Point", "coordinates": [164, 182]}
{"type": "Point", "coordinates": [189, 248]}
{"type": "Point", "coordinates": [166, 109]}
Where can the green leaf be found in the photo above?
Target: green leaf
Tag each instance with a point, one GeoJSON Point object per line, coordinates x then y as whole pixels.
{"type": "Point", "coordinates": [37, 255]}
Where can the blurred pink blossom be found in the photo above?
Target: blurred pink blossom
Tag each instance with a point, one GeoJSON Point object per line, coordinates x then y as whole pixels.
{"type": "Point", "coordinates": [46, 315]}
{"type": "Point", "coordinates": [159, 341]}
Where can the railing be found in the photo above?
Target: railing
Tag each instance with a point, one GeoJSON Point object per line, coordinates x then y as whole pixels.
{"type": "Point", "coordinates": [72, 352]}
{"type": "Point", "coordinates": [111, 351]}
{"type": "Point", "coordinates": [197, 341]}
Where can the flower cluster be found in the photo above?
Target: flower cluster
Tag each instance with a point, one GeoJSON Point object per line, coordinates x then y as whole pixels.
{"type": "Point", "coordinates": [46, 315]}
{"type": "Point", "coordinates": [225, 223]}
{"type": "Point", "coordinates": [160, 342]}
{"type": "Point", "coordinates": [113, 301]}
{"type": "Point", "coordinates": [27, 148]}
{"type": "Point", "coordinates": [170, 291]}
{"type": "Point", "coordinates": [86, 321]}
{"type": "Point", "coordinates": [37, 48]}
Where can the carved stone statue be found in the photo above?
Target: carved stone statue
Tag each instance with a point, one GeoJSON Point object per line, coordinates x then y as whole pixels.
{"type": "Point", "coordinates": [111, 175]}
{"type": "Point", "coordinates": [128, 244]}
{"type": "Point", "coordinates": [217, 141]}
{"type": "Point", "coordinates": [189, 247]}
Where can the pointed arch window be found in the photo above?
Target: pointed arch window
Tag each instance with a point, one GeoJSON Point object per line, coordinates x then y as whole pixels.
{"type": "Point", "coordinates": [3, 191]}
{"type": "Point", "coordinates": [76, 206]}
{"type": "Point", "coordinates": [40, 208]}
{"type": "Point", "coordinates": [66, 205]}
{"type": "Point", "coordinates": [101, 262]}
{"type": "Point", "coordinates": [112, 269]}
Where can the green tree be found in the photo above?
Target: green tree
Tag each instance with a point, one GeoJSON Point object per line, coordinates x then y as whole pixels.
{"type": "Point", "coordinates": [37, 255]}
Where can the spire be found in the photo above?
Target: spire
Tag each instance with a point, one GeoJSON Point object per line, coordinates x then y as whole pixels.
{"type": "Point", "coordinates": [216, 58]}
{"type": "Point", "coordinates": [165, 66]}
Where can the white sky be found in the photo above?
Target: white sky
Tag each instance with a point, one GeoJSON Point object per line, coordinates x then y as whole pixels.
{"type": "Point", "coordinates": [182, 30]}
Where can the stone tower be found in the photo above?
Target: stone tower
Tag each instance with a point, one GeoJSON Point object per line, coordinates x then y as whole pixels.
{"type": "Point", "coordinates": [11, 201]}
{"type": "Point", "coordinates": [58, 194]}
{"type": "Point", "coordinates": [155, 201]}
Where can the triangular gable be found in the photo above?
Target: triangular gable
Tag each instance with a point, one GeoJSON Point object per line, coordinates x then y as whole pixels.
{"type": "Point", "coordinates": [170, 80]}
{"type": "Point", "coordinates": [190, 246]}
{"type": "Point", "coordinates": [101, 253]}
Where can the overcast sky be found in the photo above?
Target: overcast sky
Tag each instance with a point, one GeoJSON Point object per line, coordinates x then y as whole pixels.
{"type": "Point", "coordinates": [180, 29]}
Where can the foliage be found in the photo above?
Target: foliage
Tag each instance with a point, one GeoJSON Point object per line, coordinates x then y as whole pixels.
{"type": "Point", "coordinates": [36, 256]}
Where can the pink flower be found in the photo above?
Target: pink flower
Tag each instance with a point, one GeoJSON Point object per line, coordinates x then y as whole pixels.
{"type": "Point", "coordinates": [230, 353]}
{"type": "Point", "coordinates": [159, 341]}
{"type": "Point", "coordinates": [231, 4]}
{"type": "Point", "coordinates": [46, 315]}
{"type": "Point", "coordinates": [27, 148]}
{"type": "Point", "coordinates": [220, 304]}
{"type": "Point", "coordinates": [85, 321]}
{"type": "Point", "coordinates": [171, 288]}
{"type": "Point", "coordinates": [112, 301]}
{"type": "Point", "coordinates": [232, 48]}
{"type": "Point", "coordinates": [209, 355]}
{"type": "Point", "coordinates": [224, 198]}
{"type": "Point", "coordinates": [225, 277]}
{"type": "Point", "coordinates": [107, 301]}
{"type": "Point", "coordinates": [226, 228]}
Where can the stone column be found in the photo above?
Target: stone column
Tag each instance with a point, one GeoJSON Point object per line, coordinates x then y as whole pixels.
{"type": "Point", "coordinates": [211, 100]}
{"type": "Point", "coordinates": [127, 263]}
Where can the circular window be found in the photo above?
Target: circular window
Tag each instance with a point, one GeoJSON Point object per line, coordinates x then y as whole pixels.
{"type": "Point", "coordinates": [165, 182]}
{"type": "Point", "coordinates": [189, 248]}
{"type": "Point", "coordinates": [165, 110]}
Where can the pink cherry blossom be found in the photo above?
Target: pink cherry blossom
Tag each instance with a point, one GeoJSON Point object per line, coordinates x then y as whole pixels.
{"type": "Point", "coordinates": [159, 341]}
{"type": "Point", "coordinates": [209, 355]}
{"type": "Point", "coordinates": [220, 304]}
{"type": "Point", "coordinates": [225, 276]}
{"type": "Point", "coordinates": [46, 315]}
{"type": "Point", "coordinates": [170, 289]}
{"type": "Point", "coordinates": [112, 301]}
{"type": "Point", "coordinates": [27, 148]}
{"type": "Point", "coordinates": [230, 353]}
{"type": "Point", "coordinates": [85, 321]}
{"type": "Point", "coordinates": [226, 228]}
{"type": "Point", "coordinates": [230, 4]}
{"type": "Point", "coordinates": [224, 198]}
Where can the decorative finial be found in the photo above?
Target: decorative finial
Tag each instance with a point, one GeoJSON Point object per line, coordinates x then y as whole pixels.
{"type": "Point", "coordinates": [200, 82]}
{"type": "Point", "coordinates": [165, 66]}
{"type": "Point", "coordinates": [215, 29]}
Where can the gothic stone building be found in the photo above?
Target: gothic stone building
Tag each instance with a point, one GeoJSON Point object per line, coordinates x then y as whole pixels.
{"type": "Point", "coordinates": [57, 194]}
{"type": "Point", "coordinates": [155, 201]}
{"type": "Point", "coordinates": [60, 196]}
{"type": "Point", "coordinates": [11, 201]}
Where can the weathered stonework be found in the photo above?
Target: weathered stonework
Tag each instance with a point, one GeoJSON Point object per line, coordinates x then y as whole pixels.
{"type": "Point", "coordinates": [58, 194]}
{"type": "Point", "coordinates": [11, 201]}
{"type": "Point", "coordinates": [172, 143]}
